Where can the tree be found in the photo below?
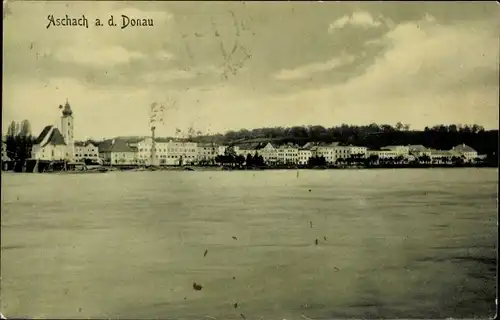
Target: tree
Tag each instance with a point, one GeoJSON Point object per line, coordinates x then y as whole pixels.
{"type": "Point", "coordinates": [25, 129]}
{"type": "Point", "coordinates": [260, 160]}
{"type": "Point", "coordinates": [12, 130]}
{"type": "Point", "coordinates": [373, 158]}
{"type": "Point", "coordinates": [239, 160]}
{"type": "Point", "coordinates": [249, 160]}
{"type": "Point", "coordinates": [424, 158]}
{"type": "Point", "coordinates": [19, 143]}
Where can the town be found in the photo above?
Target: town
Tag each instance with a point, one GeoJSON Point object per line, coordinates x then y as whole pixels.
{"type": "Point", "coordinates": [55, 149]}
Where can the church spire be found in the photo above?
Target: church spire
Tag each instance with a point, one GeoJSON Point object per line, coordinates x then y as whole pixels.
{"type": "Point", "coordinates": [67, 109]}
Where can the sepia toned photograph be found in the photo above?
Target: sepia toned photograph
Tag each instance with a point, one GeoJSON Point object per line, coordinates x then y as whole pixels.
{"type": "Point", "coordinates": [246, 160]}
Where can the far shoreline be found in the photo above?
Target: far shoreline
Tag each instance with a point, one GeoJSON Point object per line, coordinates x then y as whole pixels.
{"type": "Point", "coordinates": [106, 169]}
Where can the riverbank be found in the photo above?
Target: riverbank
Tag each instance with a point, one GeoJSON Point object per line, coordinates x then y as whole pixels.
{"type": "Point", "coordinates": [134, 168]}
{"type": "Point", "coordinates": [282, 167]}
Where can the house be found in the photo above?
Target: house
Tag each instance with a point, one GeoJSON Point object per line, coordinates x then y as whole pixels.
{"type": "Point", "coordinates": [288, 154]}
{"type": "Point", "coordinates": [383, 154]}
{"type": "Point", "coordinates": [50, 145]}
{"type": "Point", "coordinates": [166, 151]}
{"type": "Point", "coordinates": [269, 153]}
{"type": "Point", "coordinates": [465, 151]}
{"type": "Point", "coordinates": [118, 152]}
{"type": "Point", "coordinates": [207, 152]}
{"type": "Point", "coordinates": [332, 152]}
{"type": "Point", "coordinates": [144, 146]}
{"type": "Point", "coordinates": [358, 150]}
{"type": "Point", "coordinates": [326, 150]}
{"type": "Point", "coordinates": [441, 156]}
{"type": "Point", "coordinates": [221, 150]}
{"type": "Point", "coordinates": [56, 143]}
{"type": "Point", "coordinates": [303, 156]}
{"type": "Point", "coordinates": [400, 150]}
{"type": "Point", "coordinates": [180, 152]}
{"type": "Point", "coordinates": [244, 149]}
{"type": "Point", "coordinates": [86, 150]}
{"type": "Point", "coordinates": [341, 152]}
{"type": "Point", "coordinates": [419, 150]}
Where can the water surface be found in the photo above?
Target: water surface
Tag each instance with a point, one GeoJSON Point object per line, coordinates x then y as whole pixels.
{"type": "Point", "coordinates": [405, 243]}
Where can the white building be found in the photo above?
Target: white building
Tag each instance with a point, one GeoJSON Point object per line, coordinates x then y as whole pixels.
{"type": "Point", "coordinates": [419, 150]}
{"type": "Point", "coordinates": [221, 150]}
{"type": "Point", "coordinates": [383, 154]}
{"type": "Point", "coordinates": [86, 150]}
{"type": "Point", "coordinates": [324, 150]}
{"type": "Point", "coordinates": [440, 155]}
{"type": "Point", "coordinates": [303, 156]}
{"type": "Point", "coordinates": [464, 150]}
{"type": "Point", "coordinates": [288, 154]}
{"type": "Point", "coordinates": [341, 152]}
{"type": "Point", "coordinates": [56, 143]}
{"type": "Point", "coordinates": [269, 153]}
{"type": "Point", "coordinates": [50, 145]}
{"type": "Point", "coordinates": [144, 148]}
{"type": "Point", "coordinates": [207, 152]}
{"type": "Point", "coordinates": [358, 150]}
{"type": "Point", "coordinates": [167, 151]}
{"type": "Point", "coordinates": [181, 152]}
{"type": "Point", "coordinates": [400, 150]}
{"type": "Point", "coordinates": [118, 152]}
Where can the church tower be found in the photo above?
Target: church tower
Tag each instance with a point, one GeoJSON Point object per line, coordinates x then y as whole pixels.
{"type": "Point", "coordinates": [67, 130]}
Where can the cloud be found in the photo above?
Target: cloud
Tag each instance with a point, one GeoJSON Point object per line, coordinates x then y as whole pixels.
{"type": "Point", "coordinates": [306, 71]}
{"type": "Point", "coordinates": [433, 53]}
{"type": "Point", "coordinates": [95, 46]}
{"type": "Point", "coordinates": [358, 19]}
{"type": "Point", "coordinates": [102, 57]}
{"type": "Point", "coordinates": [420, 72]}
{"type": "Point", "coordinates": [92, 108]}
{"type": "Point", "coordinates": [428, 73]}
{"type": "Point", "coordinates": [161, 76]}
{"type": "Point", "coordinates": [164, 55]}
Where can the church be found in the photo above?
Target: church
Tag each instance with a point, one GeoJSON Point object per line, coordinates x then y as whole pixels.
{"type": "Point", "coordinates": [56, 142]}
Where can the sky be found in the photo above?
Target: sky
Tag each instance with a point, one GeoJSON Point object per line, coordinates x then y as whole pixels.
{"type": "Point", "coordinates": [218, 66]}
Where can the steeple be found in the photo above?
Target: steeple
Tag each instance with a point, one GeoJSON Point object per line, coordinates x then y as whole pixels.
{"type": "Point", "coordinates": [67, 109]}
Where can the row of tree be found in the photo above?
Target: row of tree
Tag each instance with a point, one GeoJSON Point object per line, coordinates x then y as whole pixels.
{"type": "Point", "coordinates": [19, 143]}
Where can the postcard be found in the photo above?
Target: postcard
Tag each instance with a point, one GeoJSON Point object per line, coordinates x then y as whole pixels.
{"type": "Point", "coordinates": [249, 160]}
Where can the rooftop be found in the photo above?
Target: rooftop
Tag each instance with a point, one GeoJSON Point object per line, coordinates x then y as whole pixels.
{"type": "Point", "coordinates": [116, 145]}
{"type": "Point", "coordinates": [50, 135]}
{"type": "Point", "coordinates": [463, 148]}
{"type": "Point", "coordinates": [417, 147]}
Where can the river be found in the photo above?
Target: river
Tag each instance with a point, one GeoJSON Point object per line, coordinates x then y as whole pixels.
{"type": "Point", "coordinates": [318, 244]}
